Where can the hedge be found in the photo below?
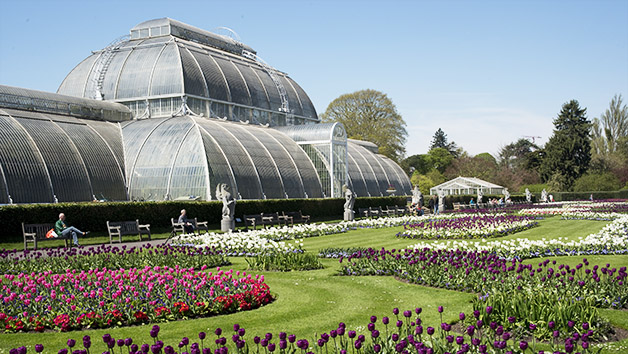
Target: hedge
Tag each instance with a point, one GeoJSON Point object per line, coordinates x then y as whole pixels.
{"type": "Point", "coordinates": [567, 196]}
{"type": "Point", "coordinates": [93, 216]}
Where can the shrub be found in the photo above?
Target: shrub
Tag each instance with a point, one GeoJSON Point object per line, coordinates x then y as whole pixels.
{"type": "Point", "coordinates": [597, 182]}
{"type": "Point", "coordinates": [284, 262]}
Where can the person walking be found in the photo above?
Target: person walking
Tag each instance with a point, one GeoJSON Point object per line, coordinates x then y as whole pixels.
{"type": "Point", "coordinates": [63, 230]}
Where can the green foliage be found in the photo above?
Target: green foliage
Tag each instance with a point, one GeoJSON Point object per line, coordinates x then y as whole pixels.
{"type": "Point", "coordinates": [597, 182]}
{"type": "Point", "coordinates": [568, 151]}
{"type": "Point", "coordinates": [371, 116]}
{"type": "Point", "coordinates": [439, 159]}
{"type": "Point", "coordinates": [534, 188]}
{"type": "Point", "coordinates": [284, 262]}
{"type": "Point", "coordinates": [94, 216]}
{"type": "Point", "coordinates": [420, 163]}
{"type": "Point", "coordinates": [483, 167]}
{"type": "Point", "coordinates": [517, 154]}
{"type": "Point", "coordinates": [611, 128]}
{"type": "Point", "coordinates": [440, 141]}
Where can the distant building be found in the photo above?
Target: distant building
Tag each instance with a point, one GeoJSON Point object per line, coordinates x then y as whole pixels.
{"type": "Point", "coordinates": [169, 112]}
{"type": "Point", "coordinates": [468, 186]}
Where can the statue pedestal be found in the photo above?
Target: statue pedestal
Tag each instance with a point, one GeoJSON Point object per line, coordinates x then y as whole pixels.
{"type": "Point", "coordinates": [349, 215]}
{"type": "Point", "coordinates": [227, 225]}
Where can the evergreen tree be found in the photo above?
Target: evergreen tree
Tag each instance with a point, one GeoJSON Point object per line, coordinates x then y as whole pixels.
{"type": "Point", "coordinates": [440, 141]}
{"type": "Point", "coordinates": [568, 151]}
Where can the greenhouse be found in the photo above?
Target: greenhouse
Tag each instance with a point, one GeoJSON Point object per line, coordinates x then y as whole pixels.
{"type": "Point", "coordinates": [468, 186]}
{"type": "Point", "coordinates": [171, 111]}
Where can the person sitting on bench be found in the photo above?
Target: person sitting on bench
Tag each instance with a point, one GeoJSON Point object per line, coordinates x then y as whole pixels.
{"type": "Point", "coordinates": [62, 229]}
{"type": "Point", "coordinates": [183, 219]}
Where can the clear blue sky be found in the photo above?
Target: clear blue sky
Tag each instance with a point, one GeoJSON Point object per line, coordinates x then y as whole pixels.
{"type": "Point", "coordinates": [486, 72]}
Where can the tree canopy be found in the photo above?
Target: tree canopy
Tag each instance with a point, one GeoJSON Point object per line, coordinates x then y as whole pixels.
{"type": "Point", "coordinates": [371, 116]}
{"type": "Point", "coordinates": [517, 154]}
{"type": "Point", "coordinates": [568, 151]}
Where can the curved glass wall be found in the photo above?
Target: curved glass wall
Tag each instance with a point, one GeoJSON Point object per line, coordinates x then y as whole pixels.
{"type": "Point", "coordinates": [186, 156]}
{"type": "Point", "coordinates": [372, 174]}
{"type": "Point", "coordinates": [48, 157]}
{"type": "Point", "coordinates": [326, 146]}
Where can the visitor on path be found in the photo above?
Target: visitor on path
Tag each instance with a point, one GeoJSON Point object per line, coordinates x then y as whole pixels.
{"type": "Point", "coordinates": [431, 203]}
{"type": "Point", "coordinates": [62, 229]}
{"type": "Point", "coordinates": [187, 225]}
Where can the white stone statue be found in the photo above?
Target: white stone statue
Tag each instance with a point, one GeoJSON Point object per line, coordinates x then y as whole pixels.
{"type": "Point", "coordinates": [506, 196]}
{"type": "Point", "coordinates": [480, 195]}
{"type": "Point", "coordinates": [349, 215]}
{"type": "Point", "coordinates": [349, 198]}
{"type": "Point", "coordinates": [417, 197]}
{"type": "Point", "coordinates": [441, 201]}
{"type": "Point", "coordinates": [544, 196]}
{"type": "Point", "coordinates": [528, 196]}
{"type": "Point", "coordinates": [228, 202]}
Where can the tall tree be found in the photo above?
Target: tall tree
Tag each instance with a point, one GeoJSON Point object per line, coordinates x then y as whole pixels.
{"type": "Point", "coordinates": [611, 127]}
{"type": "Point", "coordinates": [568, 151]}
{"type": "Point", "coordinates": [440, 141]}
{"type": "Point", "coordinates": [517, 154]}
{"type": "Point", "coordinates": [370, 115]}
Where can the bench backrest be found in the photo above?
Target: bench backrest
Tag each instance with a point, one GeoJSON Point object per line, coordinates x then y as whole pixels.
{"type": "Point", "coordinates": [275, 216]}
{"type": "Point", "coordinates": [38, 229]}
{"type": "Point", "coordinates": [126, 227]}
{"type": "Point", "coordinates": [257, 217]}
{"type": "Point", "coordinates": [295, 215]}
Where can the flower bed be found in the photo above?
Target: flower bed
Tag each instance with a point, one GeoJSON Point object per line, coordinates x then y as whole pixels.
{"type": "Point", "coordinates": [535, 294]}
{"type": "Point", "coordinates": [238, 243]}
{"type": "Point", "coordinates": [403, 332]}
{"type": "Point", "coordinates": [612, 239]}
{"type": "Point", "coordinates": [102, 298]}
{"type": "Point", "coordinates": [58, 260]}
{"type": "Point", "coordinates": [468, 226]}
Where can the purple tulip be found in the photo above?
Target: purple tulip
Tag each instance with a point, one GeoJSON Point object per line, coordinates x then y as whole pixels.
{"type": "Point", "coordinates": [201, 335]}
{"type": "Point", "coordinates": [430, 330]}
{"type": "Point", "coordinates": [395, 337]}
{"type": "Point", "coordinates": [459, 340]}
{"type": "Point", "coordinates": [357, 344]}
{"type": "Point", "coordinates": [352, 334]}
{"type": "Point", "coordinates": [256, 339]}
{"type": "Point", "coordinates": [489, 309]}
{"type": "Point", "coordinates": [134, 348]}
{"type": "Point", "coordinates": [241, 332]}
{"type": "Point", "coordinates": [263, 342]}
{"type": "Point", "coordinates": [218, 331]}
{"type": "Point", "coordinates": [375, 333]}
{"type": "Point", "coordinates": [461, 316]}
{"type": "Point", "coordinates": [399, 323]}
{"type": "Point", "coordinates": [283, 344]}
{"type": "Point", "coordinates": [395, 311]}
{"type": "Point", "coordinates": [585, 325]}
{"type": "Point", "coordinates": [551, 324]}
{"type": "Point", "coordinates": [128, 342]}
{"type": "Point", "coordinates": [373, 319]}
{"type": "Point", "coordinates": [418, 310]}
{"type": "Point", "coordinates": [71, 343]}
{"type": "Point", "coordinates": [377, 348]}
{"type": "Point", "coordinates": [271, 347]}
{"type": "Point", "coordinates": [407, 314]}
{"type": "Point", "coordinates": [39, 348]}
{"type": "Point", "coordinates": [440, 309]}
{"type": "Point", "coordinates": [292, 338]}
{"type": "Point", "coordinates": [236, 327]}
{"type": "Point", "coordinates": [532, 326]}
{"type": "Point", "coordinates": [385, 320]}
{"type": "Point", "coordinates": [169, 350]}
{"type": "Point", "coordinates": [145, 348]}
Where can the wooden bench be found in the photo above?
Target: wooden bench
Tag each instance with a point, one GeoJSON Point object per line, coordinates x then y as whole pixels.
{"type": "Point", "coordinates": [120, 228]}
{"type": "Point", "coordinates": [178, 227]}
{"type": "Point", "coordinates": [294, 216]}
{"type": "Point", "coordinates": [35, 233]}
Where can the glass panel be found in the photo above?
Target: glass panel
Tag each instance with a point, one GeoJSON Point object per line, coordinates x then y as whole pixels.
{"type": "Point", "coordinates": [112, 134]}
{"type": "Point", "coordinates": [135, 133]}
{"type": "Point", "coordinates": [293, 101]}
{"type": "Point", "coordinates": [258, 94]}
{"type": "Point", "coordinates": [105, 175]}
{"type": "Point", "coordinates": [166, 77]}
{"type": "Point", "coordinates": [66, 169]}
{"type": "Point", "coordinates": [135, 34]}
{"type": "Point", "coordinates": [357, 179]}
{"type": "Point", "coordinates": [189, 173]}
{"type": "Point", "coordinates": [271, 89]}
{"type": "Point", "coordinates": [135, 76]}
{"type": "Point", "coordinates": [24, 170]}
{"type": "Point", "coordinates": [74, 84]}
{"type": "Point", "coordinates": [143, 32]}
{"type": "Point", "coordinates": [237, 87]}
{"type": "Point", "coordinates": [293, 185]}
{"type": "Point", "coordinates": [245, 174]}
{"type": "Point", "coordinates": [219, 170]}
{"type": "Point", "coordinates": [151, 173]}
{"type": "Point", "coordinates": [307, 105]}
{"type": "Point", "coordinates": [192, 76]}
{"type": "Point", "coordinates": [213, 76]}
{"type": "Point", "coordinates": [272, 185]}
{"type": "Point", "coordinates": [370, 179]}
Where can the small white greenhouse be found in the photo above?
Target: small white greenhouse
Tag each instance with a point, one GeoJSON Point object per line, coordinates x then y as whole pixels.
{"type": "Point", "coordinates": [468, 186]}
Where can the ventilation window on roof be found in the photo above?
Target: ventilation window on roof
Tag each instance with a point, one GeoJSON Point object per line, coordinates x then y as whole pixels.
{"type": "Point", "coordinates": [165, 30]}
{"type": "Point", "coordinates": [143, 32]}
{"type": "Point", "coordinates": [155, 31]}
{"type": "Point", "coordinates": [135, 34]}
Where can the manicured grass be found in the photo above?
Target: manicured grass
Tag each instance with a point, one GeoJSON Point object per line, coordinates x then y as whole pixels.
{"type": "Point", "coordinates": [313, 302]}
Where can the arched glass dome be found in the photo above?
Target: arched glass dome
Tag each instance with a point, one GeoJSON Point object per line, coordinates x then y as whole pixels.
{"type": "Point", "coordinates": [164, 60]}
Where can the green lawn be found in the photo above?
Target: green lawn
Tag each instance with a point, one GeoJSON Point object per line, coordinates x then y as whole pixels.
{"type": "Point", "coordinates": [313, 302]}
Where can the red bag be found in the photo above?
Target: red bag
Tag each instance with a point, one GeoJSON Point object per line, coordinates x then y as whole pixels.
{"type": "Point", "coordinates": [51, 234]}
